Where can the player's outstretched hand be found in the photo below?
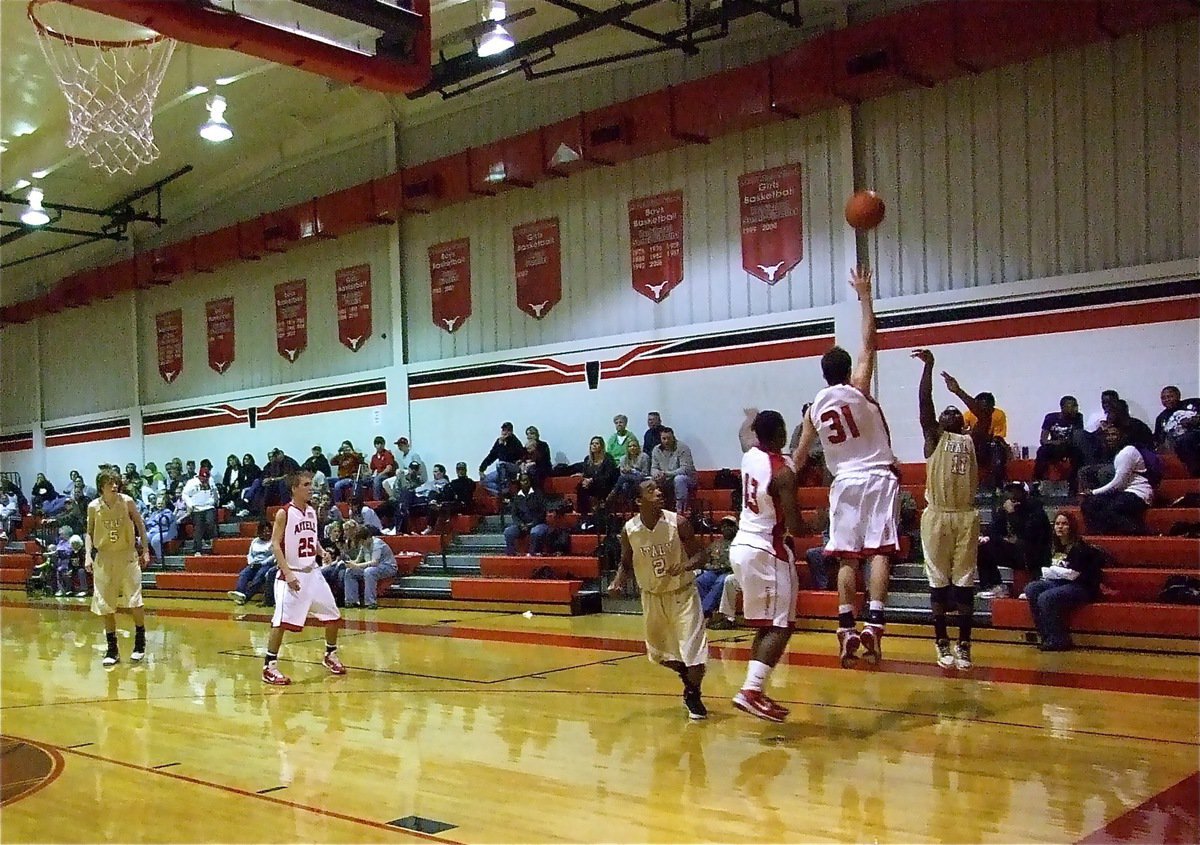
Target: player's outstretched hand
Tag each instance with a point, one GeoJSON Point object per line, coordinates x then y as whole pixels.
{"type": "Point", "coordinates": [922, 355]}
{"type": "Point", "coordinates": [951, 382]}
{"type": "Point", "coordinates": [860, 280]}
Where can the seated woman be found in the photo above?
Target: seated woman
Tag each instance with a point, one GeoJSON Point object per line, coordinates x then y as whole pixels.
{"type": "Point", "coordinates": [1071, 580]}
{"type": "Point", "coordinates": [633, 469]}
{"type": "Point", "coordinates": [44, 497]}
{"type": "Point", "coordinates": [536, 463]}
{"type": "Point", "coordinates": [599, 478]}
{"type": "Point", "coordinates": [161, 526]}
{"type": "Point", "coordinates": [259, 561]}
{"type": "Point", "coordinates": [1119, 507]}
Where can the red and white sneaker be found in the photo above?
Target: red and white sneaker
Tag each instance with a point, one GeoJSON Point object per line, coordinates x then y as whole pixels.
{"type": "Point", "coordinates": [333, 664]}
{"type": "Point", "coordinates": [848, 642]}
{"type": "Point", "coordinates": [758, 704]}
{"type": "Point", "coordinates": [872, 643]}
{"type": "Point", "coordinates": [271, 675]}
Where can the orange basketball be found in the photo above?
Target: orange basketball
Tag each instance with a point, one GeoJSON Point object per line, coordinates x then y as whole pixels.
{"type": "Point", "coordinates": [864, 210]}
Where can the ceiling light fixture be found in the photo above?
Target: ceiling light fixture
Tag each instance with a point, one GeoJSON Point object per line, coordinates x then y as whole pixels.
{"type": "Point", "coordinates": [195, 90]}
{"type": "Point", "coordinates": [40, 174]}
{"type": "Point", "coordinates": [215, 129]}
{"type": "Point", "coordinates": [20, 184]}
{"type": "Point", "coordinates": [497, 40]}
{"type": "Point", "coordinates": [225, 80]}
{"type": "Point", "coordinates": [35, 215]}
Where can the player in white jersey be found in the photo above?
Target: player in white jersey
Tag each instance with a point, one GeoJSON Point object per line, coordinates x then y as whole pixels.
{"type": "Point", "coordinates": [662, 552]}
{"type": "Point", "coordinates": [762, 559]}
{"type": "Point", "coordinates": [864, 501]}
{"type": "Point", "coordinates": [300, 588]}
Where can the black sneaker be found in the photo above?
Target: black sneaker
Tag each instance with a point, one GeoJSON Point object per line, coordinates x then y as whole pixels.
{"type": "Point", "coordinates": [695, 707]}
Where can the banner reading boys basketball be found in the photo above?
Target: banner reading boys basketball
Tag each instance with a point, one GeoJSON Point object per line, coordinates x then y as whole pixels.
{"type": "Point", "coordinates": [291, 318]}
{"type": "Point", "coordinates": [450, 283]}
{"type": "Point", "coordinates": [169, 328]}
{"type": "Point", "coordinates": [353, 286]}
{"type": "Point", "coordinates": [219, 315]}
{"type": "Point", "coordinates": [771, 225]}
{"type": "Point", "coordinates": [537, 254]}
{"type": "Point", "coordinates": [656, 244]}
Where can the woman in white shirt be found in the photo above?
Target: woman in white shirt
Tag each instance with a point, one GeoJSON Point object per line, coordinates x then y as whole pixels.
{"type": "Point", "coordinates": [1119, 507]}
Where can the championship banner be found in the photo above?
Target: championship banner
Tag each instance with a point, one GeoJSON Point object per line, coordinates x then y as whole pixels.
{"type": "Point", "coordinates": [219, 315]}
{"type": "Point", "coordinates": [450, 283]}
{"type": "Point", "coordinates": [656, 244]}
{"type": "Point", "coordinates": [168, 327]}
{"type": "Point", "coordinates": [771, 228]}
{"type": "Point", "coordinates": [537, 254]}
{"type": "Point", "coordinates": [353, 285]}
{"type": "Point", "coordinates": [291, 318]}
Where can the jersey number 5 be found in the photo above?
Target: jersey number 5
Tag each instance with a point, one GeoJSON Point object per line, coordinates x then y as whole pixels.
{"type": "Point", "coordinates": [750, 493]}
{"type": "Point", "coordinates": [837, 430]}
{"type": "Point", "coordinates": [306, 547]}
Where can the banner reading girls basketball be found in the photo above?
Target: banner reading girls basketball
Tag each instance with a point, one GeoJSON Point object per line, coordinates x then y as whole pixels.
{"type": "Point", "coordinates": [353, 285]}
{"type": "Point", "coordinates": [771, 226]}
{"type": "Point", "coordinates": [537, 255]}
{"type": "Point", "coordinates": [291, 318]}
{"type": "Point", "coordinates": [656, 244]}
{"type": "Point", "coordinates": [169, 328]}
{"type": "Point", "coordinates": [219, 316]}
{"type": "Point", "coordinates": [450, 283]}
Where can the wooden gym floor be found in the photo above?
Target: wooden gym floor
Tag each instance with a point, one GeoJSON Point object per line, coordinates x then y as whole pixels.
{"type": "Point", "coordinates": [483, 727]}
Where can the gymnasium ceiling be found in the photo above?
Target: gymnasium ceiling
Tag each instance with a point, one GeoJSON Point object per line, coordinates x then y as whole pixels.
{"type": "Point", "coordinates": [278, 114]}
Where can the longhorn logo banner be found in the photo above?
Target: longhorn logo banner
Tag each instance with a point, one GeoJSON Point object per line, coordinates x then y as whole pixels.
{"type": "Point", "coordinates": [168, 327]}
{"type": "Point", "coordinates": [353, 286]}
{"type": "Point", "coordinates": [291, 318]}
{"type": "Point", "coordinates": [219, 316]}
{"type": "Point", "coordinates": [450, 283]}
{"type": "Point", "coordinates": [656, 244]}
{"type": "Point", "coordinates": [537, 255]}
{"type": "Point", "coordinates": [772, 242]}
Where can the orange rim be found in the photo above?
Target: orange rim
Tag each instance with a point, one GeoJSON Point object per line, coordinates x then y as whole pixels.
{"type": "Point", "coordinates": [98, 43]}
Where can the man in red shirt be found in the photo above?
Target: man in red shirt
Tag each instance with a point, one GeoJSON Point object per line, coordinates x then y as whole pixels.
{"type": "Point", "coordinates": [383, 466]}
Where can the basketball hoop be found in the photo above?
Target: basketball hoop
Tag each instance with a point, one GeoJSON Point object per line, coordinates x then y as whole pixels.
{"type": "Point", "coordinates": [110, 86]}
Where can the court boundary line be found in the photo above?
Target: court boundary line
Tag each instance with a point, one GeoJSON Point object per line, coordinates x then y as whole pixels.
{"type": "Point", "coordinates": [1185, 788]}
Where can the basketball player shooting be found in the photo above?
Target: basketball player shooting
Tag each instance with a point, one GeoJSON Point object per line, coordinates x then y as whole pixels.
{"type": "Point", "coordinates": [864, 500]}
{"type": "Point", "coordinates": [300, 588]}
{"type": "Point", "coordinates": [950, 523]}
{"type": "Point", "coordinates": [662, 552]}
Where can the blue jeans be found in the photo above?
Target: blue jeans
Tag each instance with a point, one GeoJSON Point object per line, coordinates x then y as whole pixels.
{"type": "Point", "coordinates": [252, 579]}
{"type": "Point", "coordinates": [818, 568]}
{"type": "Point", "coordinates": [627, 485]}
{"type": "Point", "coordinates": [497, 480]}
{"type": "Point", "coordinates": [369, 577]}
{"type": "Point", "coordinates": [710, 584]}
{"type": "Point", "coordinates": [1051, 602]}
{"type": "Point", "coordinates": [537, 536]}
{"type": "Point", "coordinates": [340, 488]}
{"type": "Point", "coordinates": [682, 486]}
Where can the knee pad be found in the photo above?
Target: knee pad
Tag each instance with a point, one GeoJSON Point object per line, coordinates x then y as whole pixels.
{"type": "Point", "coordinates": [964, 596]}
{"type": "Point", "coordinates": [940, 595]}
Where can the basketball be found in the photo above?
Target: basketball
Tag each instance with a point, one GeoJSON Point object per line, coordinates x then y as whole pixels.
{"type": "Point", "coordinates": [864, 210]}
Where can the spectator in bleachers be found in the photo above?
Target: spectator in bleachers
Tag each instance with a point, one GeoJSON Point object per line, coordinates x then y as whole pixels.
{"type": "Point", "coordinates": [1063, 438]}
{"type": "Point", "coordinates": [1119, 507]}
{"type": "Point", "coordinates": [373, 563]}
{"type": "Point", "coordinates": [66, 550]}
{"type": "Point", "coordinates": [88, 491]}
{"type": "Point", "coordinates": [401, 493]}
{"type": "Point", "coordinates": [153, 481]}
{"type": "Point", "coordinates": [348, 461]}
{"type": "Point", "coordinates": [427, 492]}
{"type": "Point", "coordinates": [819, 563]}
{"type": "Point", "coordinates": [317, 462]}
{"type": "Point", "coordinates": [228, 487]}
{"type": "Point", "coordinates": [200, 496]}
{"type": "Point", "coordinates": [653, 436]}
{"type": "Point", "coordinates": [632, 470]}
{"type": "Point", "coordinates": [190, 471]}
{"type": "Point", "coordinates": [994, 456]}
{"type": "Point", "coordinates": [383, 466]}
{"type": "Point", "coordinates": [10, 511]}
{"type": "Point", "coordinates": [259, 561]}
{"type": "Point", "coordinates": [1177, 428]}
{"type": "Point", "coordinates": [1136, 431]}
{"type": "Point", "coordinates": [161, 527]}
{"type": "Point", "coordinates": [458, 496]}
{"type": "Point", "coordinates": [618, 442]}
{"type": "Point", "coordinates": [274, 481]}
{"type": "Point", "coordinates": [536, 462]}
{"type": "Point", "coordinates": [505, 453]}
{"type": "Point", "coordinates": [41, 493]}
{"type": "Point", "coordinates": [599, 478]}
{"type": "Point", "coordinates": [131, 481]}
{"type": "Point", "coordinates": [1018, 537]}
{"type": "Point", "coordinates": [1097, 418]}
{"type": "Point", "coordinates": [813, 473]}
{"type": "Point", "coordinates": [331, 537]}
{"type": "Point", "coordinates": [365, 516]}
{"type": "Point", "coordinates": [175, 480]}
{"type": "Point", "coordinates": [528, 512]}
{"type": "Point", "coordinates": [1070, 580]}
{"type": "Point", "coordinates": [672, 468]}
{"type": "Point", "coordinates": [75, 514]}
{"type": "Point", "coordinates": [710, 581]}
{"type": "Point", "coordinates": [248, 485]}
{"type": "Point", "coordinates": [405, 456]}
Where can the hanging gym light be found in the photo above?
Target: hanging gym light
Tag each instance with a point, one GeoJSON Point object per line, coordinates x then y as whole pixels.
{"type": "Point", "coordinates": [35, 215]}
{"type": "Point", "coordinates": [215, 129]}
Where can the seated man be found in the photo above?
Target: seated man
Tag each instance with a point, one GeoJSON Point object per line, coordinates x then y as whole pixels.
{"type": "Point", "coordinates": [715, 568]}
{"type": "Point", "coordinates": [373, 563]}
{"type": "Point", "coordinates": [1018, 537]}
{"type": "Point", "coordinates": [401, 491]}
{"type": "Point", "coordinates": [672, 468]}
{"type": "Point", "coordinates": [458, 496]}
{"type": "Point", "coordinates": [10, 511]}
{"type": "Point", "coordinates": [1119, 507]}
{"type": "Point", "coordinates": [200, 495]}
{"type": "Point", "coordinates": [528, 511]}
{"type": "Point", "coordinates": [161, 527]}
{"type": "Point", "coordinates": [274, 480]}
{"type": "Point", "coordinates": [1177, 428]}
{"type": "Point", "coordinates": [1063, 438]}
{"type": "Point", "coordinates": [365, 516]}
{"type": "Point", "coordinates": [506, 453]}
{"type": "Point", "coordinates": [994, 457]}
{"type": "Point", "coordinates": [317, 462]}
{"type": "Point", "coordinates": [348, 461]}
{"type": "Point", "coordinates": [383, 466]}
{"type": "Point", "coordinates": [259, 561]}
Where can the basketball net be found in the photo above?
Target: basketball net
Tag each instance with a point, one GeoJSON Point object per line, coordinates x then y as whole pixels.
{"type": "Point", "coordinates": [110, 88]}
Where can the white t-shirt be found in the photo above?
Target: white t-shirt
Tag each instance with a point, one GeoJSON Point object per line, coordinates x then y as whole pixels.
{"type": "Point", "coordinates": [1130, 477]}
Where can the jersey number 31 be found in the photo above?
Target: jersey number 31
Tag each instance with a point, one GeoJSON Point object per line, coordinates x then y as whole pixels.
{"type": "Point", "coordinates": [837, 430]}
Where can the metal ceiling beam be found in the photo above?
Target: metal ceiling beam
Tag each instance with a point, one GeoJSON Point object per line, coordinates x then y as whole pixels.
{"type": "Point", "coordinates": [584, 12]}
{"type": "Point", "coordinates": [382, 16]}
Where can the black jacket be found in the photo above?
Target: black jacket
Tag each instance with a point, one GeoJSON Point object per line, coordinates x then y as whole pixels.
{"type": "Point", "coordinates": [1030, 526]}
{"type": "Point", "coordinates": [318, 464]}
{"type": "Point", "coordinates": [508, 449]}
{"type": "Point", "coordinates": [1088, 561]}
{"type": "Point", "coordinates": [529, 509]}
{"type": "Point", "coordinates": [459, 492]}
{"type": "Point", "coordinates": [604, 475]}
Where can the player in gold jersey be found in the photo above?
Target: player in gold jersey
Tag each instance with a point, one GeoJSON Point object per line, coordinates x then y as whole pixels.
{"type": "Point", "coordinates": [950, 523]}
{"type": "Point", "coordinates": [112, 519]}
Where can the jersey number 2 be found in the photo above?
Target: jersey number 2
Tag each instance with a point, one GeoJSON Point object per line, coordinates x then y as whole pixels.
{"type": "Point", "coordinates": [837, 430]}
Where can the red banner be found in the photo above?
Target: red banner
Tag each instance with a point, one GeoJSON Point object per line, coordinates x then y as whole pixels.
{"type": "Point", "coordinates": [450, 283]}
{"type": "Point", "coordinates": [353, 286]}
{"type": "Point", "coordinates": [291, 318]}
{"type": "Point", "coordinates": [537, 254]}
{"type": "Point", "coordinates": [771, 228]}
{"type": "Point", "coordinates": [169, 328]}
{"type": "Point", "coordinates": [219, 313]}
{"type": "Point", "coordinates": [656, 244]}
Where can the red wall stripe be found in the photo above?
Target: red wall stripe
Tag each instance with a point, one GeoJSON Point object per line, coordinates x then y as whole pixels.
{"type": "Point", "coordinates": [89, 436]}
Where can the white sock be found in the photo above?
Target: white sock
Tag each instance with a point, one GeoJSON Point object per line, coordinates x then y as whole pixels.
{"type": "Point", "coordinates": [756, 676]}
{"type": "Point", "coordinates": [876, 605]}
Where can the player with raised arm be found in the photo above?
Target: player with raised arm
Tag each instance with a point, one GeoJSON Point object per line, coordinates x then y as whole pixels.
{"type": "Point", "coordinates": [300, 588]}
{"type": "Point", "coordinates": [762, 559]}
{"type": "Point", "coordinates": [864, 500]}
{"type": "Point", "coordinates": [663, 553]}
{"type": "Point", "coordinates": [950, 523]}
